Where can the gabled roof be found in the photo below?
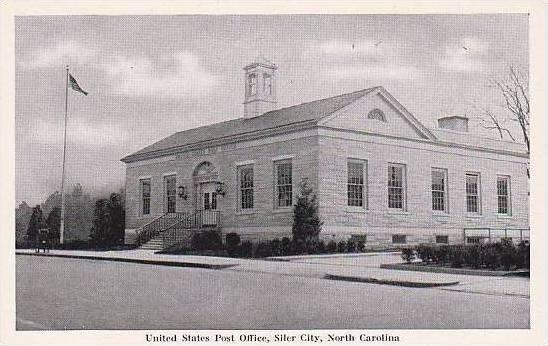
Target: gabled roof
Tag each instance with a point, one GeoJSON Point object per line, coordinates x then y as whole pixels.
{"type": "Point", "coordinates": [309, 112]}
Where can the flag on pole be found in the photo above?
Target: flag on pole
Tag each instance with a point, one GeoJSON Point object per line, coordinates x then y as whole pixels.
{"type": "Point", "coordinates": [74, 85]}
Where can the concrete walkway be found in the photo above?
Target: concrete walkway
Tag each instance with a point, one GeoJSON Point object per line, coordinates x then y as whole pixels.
{"type": "Point", "coordinates": [360, 267]}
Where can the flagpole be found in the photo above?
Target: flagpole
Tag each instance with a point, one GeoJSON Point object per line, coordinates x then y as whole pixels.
{"type": "Point", "coordinates": [62, 227]}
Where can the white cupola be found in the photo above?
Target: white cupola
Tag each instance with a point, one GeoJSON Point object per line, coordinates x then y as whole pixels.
{"type": "Point", "coordinates": [260, 87]}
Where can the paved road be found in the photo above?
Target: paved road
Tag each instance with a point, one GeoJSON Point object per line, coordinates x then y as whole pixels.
{"type": "Point", "coordinates": [56, 293]}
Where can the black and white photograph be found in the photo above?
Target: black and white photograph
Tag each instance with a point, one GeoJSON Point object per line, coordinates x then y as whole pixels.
{"type": "Point", "coordinates": [288, 172]}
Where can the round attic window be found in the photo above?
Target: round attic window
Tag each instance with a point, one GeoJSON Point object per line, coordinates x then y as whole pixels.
{"type": "Point", "coordinates": [376, 114]}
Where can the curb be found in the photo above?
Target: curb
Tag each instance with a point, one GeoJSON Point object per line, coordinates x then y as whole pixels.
{"type": "Point", "coordinates": [457, 271]}
{"type": "Point", "coordinates": [389, 282]}
{"type": "Point", "coordinates": [298, 257]}
{"type": "Point", "coordinates": [136, 260]}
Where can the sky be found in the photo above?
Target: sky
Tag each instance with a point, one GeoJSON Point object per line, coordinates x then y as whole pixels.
{"type": "Point", "coordinates": [150, 76]}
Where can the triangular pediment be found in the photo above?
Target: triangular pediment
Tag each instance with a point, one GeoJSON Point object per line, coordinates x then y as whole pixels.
{"type": "Point", "coordinates": [378, 112]}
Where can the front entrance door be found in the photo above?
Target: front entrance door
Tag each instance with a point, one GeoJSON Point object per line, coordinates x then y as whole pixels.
{"type": "Point", "coordinates": [208, 197]}
{"type": "Point", "coordinates": [208, 204]}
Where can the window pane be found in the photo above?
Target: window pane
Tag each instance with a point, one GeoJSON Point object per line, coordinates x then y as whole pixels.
{"type": "Point", "coordinates": [355, 187]}
{"type": "Point", "coordinates": [145, 196]}
{"type": "Point", "coordinates": [472, 193]}
{"type": "Point", "coordinates": [503, 195]}
{"type": "Point", "coordinates": [438, 189]}
{"type": "Point", "coordinates": [246, 187]}
{"type": "Point", "coordinates": [284, 184]}
{"type": "Point", "coordinates": [170, 193]}
{"type": "Point", "coordinates": [395, 187]}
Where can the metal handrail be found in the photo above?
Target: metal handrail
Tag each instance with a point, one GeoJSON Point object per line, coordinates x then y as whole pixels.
{"type": "Point", "coordinates": [195, 222]}
{"type": "Point", "coordinates": [156, 226]}
{"type": "Point", "coordinates": [490, 231]}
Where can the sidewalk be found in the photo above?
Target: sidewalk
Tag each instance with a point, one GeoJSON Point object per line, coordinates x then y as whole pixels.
{"type": "Point", "coordinates": [352, 267]}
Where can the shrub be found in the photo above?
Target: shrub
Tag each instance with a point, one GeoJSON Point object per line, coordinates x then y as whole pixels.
{"type": "Point", "coordinates": [351, 246]}
{"type": "Point", "coordinates": [472, 256]}
{"type": "Point", "coordinates": [489, 256]}
{"type": "Point", "coordinates": [456, 256]}
{"type": "Point", "coordinates": [407, 254]}
{"type": "Point", "coordinates": [276, 245]}
{"type": "Point", "coordinates": [508, 254]}
{"type": "Point", "coordinates": [321, 248]}
{"type": "Point", "coordinates": [425, 253]}
{"type": "Point", "coordinates": [361, 246]}
{"type": "Point", "coordinates": [232, 242]}
{"type": "Point", "coordinates": [306, 216]}
{"type": "Point", "coordinates": [522, 255]}
{"type": "Point", "coordinates": [207, 240]}
{"type": "Point", "coordinates": [246, 249]}
{"type": "Point", "coordinates": [285, 246]}
{"type": "Point", "coordinates": [264, 249]}
{"type": "Point", "coordinates": [331, 247]}
{"type": "Point", "coordinates": [441, 254]}
{"type": "Point", "coordinates": [341, 246]}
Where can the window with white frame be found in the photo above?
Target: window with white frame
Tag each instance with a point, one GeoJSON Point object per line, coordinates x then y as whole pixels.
{"type": "Point", "coordinates": [170, 199]}
{"type": "Point", "coordinates": [396, 186]}
{"type": "Point", "coordinates": [267, 84]}
{"type": "Point", "coordinates": [473, 193]}
{"type": "Point", "coordinates": [245, 176]}
{"type": "Point", "coordinates": [439, 189]}
{"type": "Point", "coordinates": [356, 189]}
{"type": "Point", "coordinates": [503, 194]}
{"type": "Point", "coordinates": [145, 196]}
{"type": "Point", "coordinates": [283, 183]}
{"type": "Point", "coordinates": [252, 84]}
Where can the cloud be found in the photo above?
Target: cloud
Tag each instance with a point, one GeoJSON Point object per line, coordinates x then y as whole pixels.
{"type": "Point", "coordinates": [64, 53]}
{"type": "Point", "coordinates": [80, 132]}
{"type": "Point", "coordinates": [374, 72]}
{"type": "Point", "coordinates": [465, 56]}
{"type": "Point", "coordinates": [140, 76]}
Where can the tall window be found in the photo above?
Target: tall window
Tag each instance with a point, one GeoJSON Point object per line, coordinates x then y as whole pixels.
{"type": "Point", "coordinates": [503, 194]}
{"type": "Point", "coordinates": [252, 84]}
{"type": "Point", "coordinates": [472, 193]}
{"type": "Point", "coordinates": [439, 189]}
{"type": "Point", "coordinates": [396, 186]}
{"type": "Point", "coordinates": [145, 196]}
{"type": "Point", "coordinates": [245, 174]}
{"type": "Point", "coordinates": [267, 84]}
{"type": "Point", "coordinates": [170, 193]}
{"type": "Point", "coordinates": [284, 183]}
{"type": "Point", "coordinates": [355, 187]}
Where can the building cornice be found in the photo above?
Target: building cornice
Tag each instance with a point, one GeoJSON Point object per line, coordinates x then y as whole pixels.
{"type": "Point", "coordinates": [304, 125]}
{"type": "Point", "coordinates": [430, 142]}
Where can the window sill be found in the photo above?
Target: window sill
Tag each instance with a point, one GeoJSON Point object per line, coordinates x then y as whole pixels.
{"type": "Point", "coordinates": [359, 210]}
{"type": "Point", "coordinates": [504, 216]}
{"type": "Point", "coordinates": [440, 214]}
{"type": "Point", "coordinates": [397, 212]}
{"type": "Point", "coordinates": [283, 210]}
{"type": "Point", "coordinates": [246, 212]}
{"type": "Point", "coordinates": [474, 216]}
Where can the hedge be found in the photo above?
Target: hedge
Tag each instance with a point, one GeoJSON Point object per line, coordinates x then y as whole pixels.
{"type": "Point", "coordinates": [499, 255]}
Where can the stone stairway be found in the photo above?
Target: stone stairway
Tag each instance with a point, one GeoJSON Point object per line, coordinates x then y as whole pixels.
{"type": "Point", "coordinates": [156, 243]}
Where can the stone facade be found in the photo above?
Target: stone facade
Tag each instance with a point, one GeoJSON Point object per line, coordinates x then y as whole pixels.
{"type": "Point", "coordinates": [319, 138]}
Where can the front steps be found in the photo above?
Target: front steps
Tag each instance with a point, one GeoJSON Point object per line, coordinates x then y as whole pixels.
{"type": "Point", "coordinates": [156, 243]}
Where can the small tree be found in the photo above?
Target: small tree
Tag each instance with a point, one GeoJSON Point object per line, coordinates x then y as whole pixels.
{"type": "Point", "coordinates": [306, 217]}
{"type": "Point", "coordinates": [53, 222]}
{"type": "Point", "coordinates": [36, 223]}
{"type": "Point", "coordinates": [108, 222]}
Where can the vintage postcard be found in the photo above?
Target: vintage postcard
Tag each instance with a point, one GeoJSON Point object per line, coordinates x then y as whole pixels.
{"type": "Point", "coordinates": [291, 173]}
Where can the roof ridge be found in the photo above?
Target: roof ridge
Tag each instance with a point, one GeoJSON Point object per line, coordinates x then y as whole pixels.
{"type": "Point", "coordinates": [319, 100]}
